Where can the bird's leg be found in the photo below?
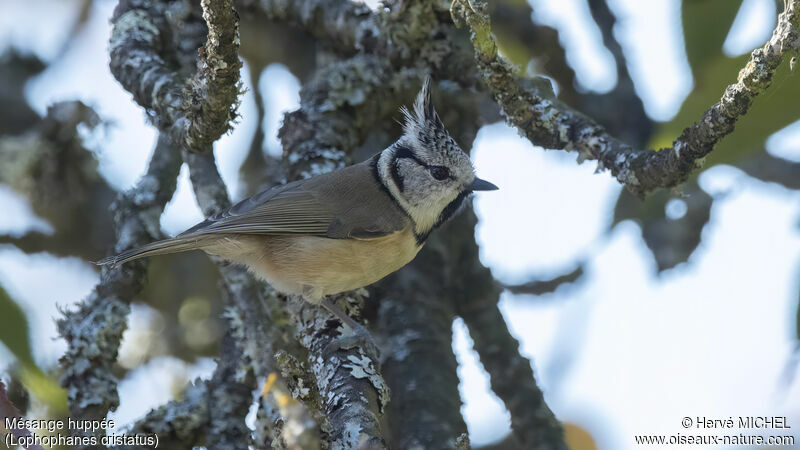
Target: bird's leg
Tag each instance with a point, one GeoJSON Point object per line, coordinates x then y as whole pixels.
{"type": "Point", "coordinates": [358, 333]}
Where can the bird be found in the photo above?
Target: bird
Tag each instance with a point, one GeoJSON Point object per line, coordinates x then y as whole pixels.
{"type": "Point", "coordinates": [345, 229]}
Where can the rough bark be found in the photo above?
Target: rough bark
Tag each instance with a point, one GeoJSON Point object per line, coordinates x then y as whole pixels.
{"type": "Point", "coordinates": [531, 107]}
{"type": "Point", "coordinates": [198, 109]}
{"type": "Point", "coordinates": [94, 329]}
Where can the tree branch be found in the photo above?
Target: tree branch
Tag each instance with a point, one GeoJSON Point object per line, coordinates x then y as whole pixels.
{"type": "Point", "coordinates": [211, 106]}
{"type": "Point", "coordinates": [198, 110]}
{"type": "Point", "coordinates": [512, 378]}
{"type": "Point", "coordinates": [415, 316]}
{"type": "Point", "coordinates": [93, 331]}
{"type": "Point", "coordinates": [230, 396]}
{"type": "Point", "coordinates": [510, 373]}
{"type": "Point", "coordinates": [251, 319]}
{"type": "Point", "coordinates": [772, 169]}
{"type": "Point", "coordinates": [178, 424]}
{"type": "Point", "coordinates": [540, 287]}
{"type": "Point", "coordinates": [547, 122]}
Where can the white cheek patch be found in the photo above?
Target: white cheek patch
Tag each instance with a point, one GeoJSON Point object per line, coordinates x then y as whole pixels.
{"type": "Point", "coordinates": [421, 198]}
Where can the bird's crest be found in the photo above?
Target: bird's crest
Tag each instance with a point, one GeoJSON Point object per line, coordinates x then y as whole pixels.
{"type": "Point", "coordinates": [423, 120]}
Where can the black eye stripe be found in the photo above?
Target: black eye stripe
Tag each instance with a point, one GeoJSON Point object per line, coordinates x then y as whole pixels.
{"type": "Point", "coordinates": [395, 173]}
{"type": "Point", "coordinates": [403, 152]}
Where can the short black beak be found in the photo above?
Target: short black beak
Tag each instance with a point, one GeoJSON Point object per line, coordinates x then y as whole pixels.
{"type": "Point", "coordinates": [482, 185]}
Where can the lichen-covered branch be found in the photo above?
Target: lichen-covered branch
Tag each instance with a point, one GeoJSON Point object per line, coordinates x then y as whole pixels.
{"type": "Point", "coordinates": [547, 122]}
{"type": "Point", "coordinates": [352, 391]}
{"type": "Point", "coordinates": [139, 34]}
{"type": "Point", "coordinates": [198, 109]}
{"type": "Point", "coordinates": [332, 120]}
{"type": "Point", "coordinates": [229, 398]}
{"type": "Point", "coordinates": [93, 331]}
{"type": "Point", "coordinates": [179, 423]}
{"type": "Point", "coordinates": [211, 105]}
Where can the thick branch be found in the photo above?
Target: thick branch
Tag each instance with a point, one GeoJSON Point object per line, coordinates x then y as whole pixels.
{"type": "Point", "coordinates": [547, 122]}
{"type": "Point", "coordinates": [138, 36]}
{"type": "Point", "coordinates": [200, 109]}
{"type": "Point", "coordinates": [416, 318]}
{"type": "Point", "coordinates": [335, 115]}
{"type": "Point", "coordinates": [352, 391]}
{"type": "Point", "coordinates": [211, 105]}
{"type": "Point", "coordinates": [93, 331]}
{"type": "Point", "coordinates": [229, 398]}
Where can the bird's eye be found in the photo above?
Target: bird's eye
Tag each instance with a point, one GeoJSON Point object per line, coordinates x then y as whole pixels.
{"type": "Point", "coordinates": [440, 172]}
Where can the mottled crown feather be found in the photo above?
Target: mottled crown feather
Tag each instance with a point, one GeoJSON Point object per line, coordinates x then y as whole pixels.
{"type": "Point", "coordinates": [424, 119]}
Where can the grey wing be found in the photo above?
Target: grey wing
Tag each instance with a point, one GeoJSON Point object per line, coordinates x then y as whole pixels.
{"type": "Point", "coordinates": [346, 204]}
{"type": "Point", "coordinates": [282, 210]}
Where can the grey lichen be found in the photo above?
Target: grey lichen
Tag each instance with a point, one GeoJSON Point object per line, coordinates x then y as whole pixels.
{"type": "Point", "coordinates": [556, 125]}
{"type": "Point", "coordinates": [363, 367]}
{"type": "Point", "coordinates": [93, 330]}
{"type": "Point", "coordinates": [199, 109]}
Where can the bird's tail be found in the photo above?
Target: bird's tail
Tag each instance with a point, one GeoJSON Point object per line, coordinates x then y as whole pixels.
{"type": "Point", "coordinates": [173, 245]}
